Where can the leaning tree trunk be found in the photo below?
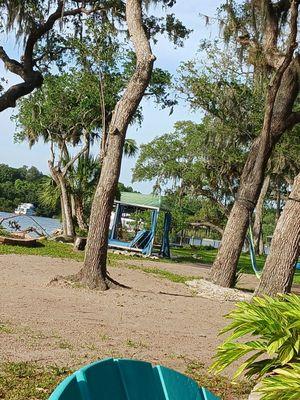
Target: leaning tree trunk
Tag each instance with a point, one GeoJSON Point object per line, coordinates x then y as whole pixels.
{"type": "Point", "coordinates": [93, 273]}
{"type": "Point", "coordinates": [279, 116]}
{"type": "Point", "coordinates": [257, 226]}
{"type": "Point", "coordinates": [225, 265]}
{"type": "Point", "coordinates": [279, 268]}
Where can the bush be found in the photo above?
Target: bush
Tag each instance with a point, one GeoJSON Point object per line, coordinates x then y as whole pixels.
{"type": "Point", "coordinates": [274, 324]}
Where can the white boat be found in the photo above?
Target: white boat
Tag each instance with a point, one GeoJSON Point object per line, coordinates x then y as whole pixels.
{"type": "Point", "coordinates": [25, 209]}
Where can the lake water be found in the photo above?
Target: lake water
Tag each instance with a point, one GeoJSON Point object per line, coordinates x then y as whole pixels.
{"type": "Point", "coordinates": [49, 225]}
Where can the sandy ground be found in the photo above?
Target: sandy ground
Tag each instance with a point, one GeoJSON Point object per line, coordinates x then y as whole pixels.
{"type": "Point", "coordinates": [156, 320]}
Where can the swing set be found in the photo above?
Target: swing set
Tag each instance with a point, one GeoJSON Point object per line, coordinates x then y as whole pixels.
{"type": "Point", "coordinates": [143, 240]}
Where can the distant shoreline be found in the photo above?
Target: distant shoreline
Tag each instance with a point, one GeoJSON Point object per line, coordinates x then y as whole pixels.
{"type": "Point", "coordinates": [26, 221]}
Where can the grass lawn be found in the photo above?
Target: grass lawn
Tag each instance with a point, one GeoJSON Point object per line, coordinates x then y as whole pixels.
{"type": "Point", "coordinates": [183, 255]}
{"type": "Point", "coordinates": [207, 256]}
{"type": "Point", "coordinates": [20, 381]}
{"type": "Point", "coordinates": [46, 248]}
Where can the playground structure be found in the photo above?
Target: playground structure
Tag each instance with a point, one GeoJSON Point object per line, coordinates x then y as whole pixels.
{"type": "Point", "coordinates": [143, 240]}
{"type": "Point", "coordinates": [125, 379]}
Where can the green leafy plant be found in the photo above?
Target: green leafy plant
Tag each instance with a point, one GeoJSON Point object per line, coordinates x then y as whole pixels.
{"type": "Point", "coordinates": [283, 385]}
{"type": "Point", "coordinates": [273, 353]}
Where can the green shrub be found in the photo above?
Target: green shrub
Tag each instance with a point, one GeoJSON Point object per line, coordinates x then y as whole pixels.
{"type": "Point", "coordinates": [273, 353]}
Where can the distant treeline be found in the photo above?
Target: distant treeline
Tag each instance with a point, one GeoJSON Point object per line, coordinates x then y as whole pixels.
{"type": "Point", "coordinates": [23, 185]}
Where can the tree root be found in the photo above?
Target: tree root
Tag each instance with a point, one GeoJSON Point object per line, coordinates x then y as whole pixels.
{"type": "Point", "coordinates": [80, 281]}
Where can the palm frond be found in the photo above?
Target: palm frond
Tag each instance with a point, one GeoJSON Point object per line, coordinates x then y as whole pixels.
{"type": "Point", "coordinates": [275, 325]}
{"type": "Point", "coordinates": [49, 193]}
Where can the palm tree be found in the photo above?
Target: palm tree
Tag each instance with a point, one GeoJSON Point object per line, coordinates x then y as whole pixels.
{"type": "Point", "coordinates": [81, 181]}
{"type": "Point", "coordinates": [83, 178]}
{"type": "Point", "coordinates": [130, 148]}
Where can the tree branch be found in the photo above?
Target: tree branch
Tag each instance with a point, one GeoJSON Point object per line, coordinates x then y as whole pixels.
{"type": "Point", "coordinates": [33, 79]}
{"type": "Point", "coordinates": [293, 120]}
{"type": "Point", "coordinates": [50, 54]}
{"type": "Point", "coordinates": [103, 144]}
{"type": "Point", "coordinates": [39, 31]}
{"type": "Point", "coordinates": [75, 158]}
{"type": "Point", "coordinates": [15, 92]}
{"type": "Point", "coordinates": [12, 65]}
{"type": "Point", "coordinates": [208, 195]}
{"type": "Point", "coordinates": [207, 224]}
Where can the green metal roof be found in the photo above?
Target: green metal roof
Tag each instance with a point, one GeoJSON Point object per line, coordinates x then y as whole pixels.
{"type": "Point", "coordinates": [141, 200]}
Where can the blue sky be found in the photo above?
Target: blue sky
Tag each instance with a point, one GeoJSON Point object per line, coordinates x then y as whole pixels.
{"type": "Point", "coordinates": [155, 122]}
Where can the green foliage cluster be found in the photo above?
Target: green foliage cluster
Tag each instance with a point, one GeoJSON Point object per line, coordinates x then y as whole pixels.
{"type": "Point", "coordinates": [202, 167]}
{"type": "Point", "coordinates": [100, 57]}
{"type": "Point", "coordinates": [224, 91]}
{"type": "Point", "coordinates": [274, 349]}
{"type": "Point", "coordinates": [82, 180]}
{"type": "Point", "coordinates": [196, 172]}
{"type": "Point", "coordinates": [23, 185]}
{"type": "Point", "coordinates": [65, 106]}
{"type": "Point", "coordinates": [204, 161]}
{"type": "Point", "coordinates": [76, 105]}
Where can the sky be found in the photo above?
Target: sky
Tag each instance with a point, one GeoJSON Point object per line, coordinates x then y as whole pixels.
{"type": "Point", "coordinates": [155, 122]}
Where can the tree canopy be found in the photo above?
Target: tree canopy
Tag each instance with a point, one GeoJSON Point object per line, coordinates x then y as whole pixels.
{"type": "Point", "coordinates": [44, 30]}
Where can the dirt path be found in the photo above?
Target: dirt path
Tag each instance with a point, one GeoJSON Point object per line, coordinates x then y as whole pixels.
{"type": "Point", "coordinates": [157, 320]}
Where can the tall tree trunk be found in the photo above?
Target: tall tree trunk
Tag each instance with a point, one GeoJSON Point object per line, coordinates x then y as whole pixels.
{"type": "Point", "coordinates": [70, 231]}
{"type": "Point", "coordinates": [278, 273]}
{"type": "Point", "coordinates": [63, 217]}
{"type": "Point", "coordinates": [73, 207]}
{"type": "Point", "coordinates": [55, 176]}
{"type": "Point", "coordinates": [261, 245]}
{"type": "Point", "coordinates": [94, 273]}
{"type": "Point", "coordinates": [79, 213]}
{"type": "Point", "coordinates": [257, 226]}
{"type": "Point", "coordinates": [279, 116]}
{"type": "Point", "coordinates": [224, 267]}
